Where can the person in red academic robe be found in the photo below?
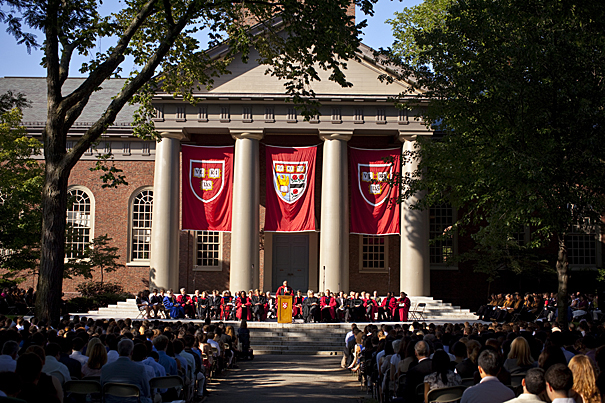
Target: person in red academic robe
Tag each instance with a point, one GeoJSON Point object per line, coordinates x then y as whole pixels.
{"type": "Point", "coordinates": [328, 304]}
{"type": "Point", "coordinates": [186, 303]}
{"type": "Point", "coordinates": [226, 305]}
{"type": "Point", "coordinates": [384, 311]}
{"type": "Point", "coordinates": [243, 307]}
{"type": "Point", "coordinates": [370, 305]}
{"type": "Point", "coordinates": [284, 290]}
{"type": "Point", "coordinates": [403, 304]}
{"type": "Point", "coordinates": [297, 305]}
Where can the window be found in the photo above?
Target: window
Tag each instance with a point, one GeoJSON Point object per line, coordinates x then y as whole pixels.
{"type": "Point", "coordinates": [142, 208]}
{"type": "Point", "coordinates": [374, 253]}
{"type": "Point", "coordinates": [79, 221]}
{"type": "Point", "coordinates": [441, 244]}
{"type": "Point", "coordinates": [208, 251]}
{"type": "Point", "coordinates": [582, 245]}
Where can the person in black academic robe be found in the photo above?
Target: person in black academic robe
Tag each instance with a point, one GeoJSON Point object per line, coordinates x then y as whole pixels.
{"type": "Point", "coordinates": [201, 304]}
{"type": "Point", "coordinates": [215, 305]}
{"type": "Point", "coordinates": [258, 305]}
{"type": "Point", "coordinates": [311, 308]}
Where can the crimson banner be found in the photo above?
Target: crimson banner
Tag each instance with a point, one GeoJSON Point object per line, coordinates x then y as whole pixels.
{"type": "Point", "coordinates": [207, 188]}
{"type": "Point", "coordinates": [290, 186]}
{"type": "Point", "coordinates": [373, 207]}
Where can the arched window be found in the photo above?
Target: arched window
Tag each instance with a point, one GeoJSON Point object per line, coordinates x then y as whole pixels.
{"type": "Point", "coordinates": [142, 208]}
{"type": "Point", "coordinates": [79, 220]}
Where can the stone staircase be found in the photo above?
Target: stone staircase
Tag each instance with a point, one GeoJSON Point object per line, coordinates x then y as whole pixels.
{"type": "Point", "coordinates": [297, 338]}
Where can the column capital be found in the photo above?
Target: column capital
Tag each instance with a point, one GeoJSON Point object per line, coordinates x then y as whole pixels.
{"type": "Point", "coordinates": [247, 134]}
{"type": "Point", "coordinates": [335, 135]}
{"type": "Point", "coordinates": [412, 135]}
{"type": "Point", "coordinates": [174, 134]}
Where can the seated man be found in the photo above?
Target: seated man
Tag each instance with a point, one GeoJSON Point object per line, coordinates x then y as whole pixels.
{"type": "Point", "coordinates": [186, 303]}
{"type": "Point", "coordinates": [215, 305]}
{"type": "Point", "coordinates": [559, 381]}
{"type": "Point", "coordinates": [328, 307]}
{"type": "Point", "coordinates": [156, 302]}
{"type": "Point", "coordinates": [201, 304]}
{"type": "Point", "coordinates": [490, 389]}
{"type": "Point", "coordinates": [174, 308]}
{"type": "Point", "coordinates": [143, 304]}
{"type": "Point", "coordinates": [126, 371]}
{"type": "Point", "coordinates": [311, 308]}
{"type": "Point", "coordinates": [533, 386]}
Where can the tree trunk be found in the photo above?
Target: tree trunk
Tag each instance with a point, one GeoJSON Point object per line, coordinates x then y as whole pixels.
{"type": "Point", "coordinates": [562, 275]}
{"type": "Point", "coordinates": [50, 277]}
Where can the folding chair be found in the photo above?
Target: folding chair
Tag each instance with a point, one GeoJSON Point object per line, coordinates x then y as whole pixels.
{"type": "Point", "coordinates": [83, 387]}
{"type": "Point", "coordinates": [412, 312]}
{"type": "Point", "coordinates": [121, 390]}
{"type": "Point", "coordinates": [446, 395]}
{"type": "Point", "coordinates": [418, 313]}
{"type": "Point", "coordinates": [167, 382]}
{"type": "Point", "coordinates": [92, 378]}
{"type": "Point", "coordinates": [468, 382]}
{"type": "Point", "coordinates": [515, 379]}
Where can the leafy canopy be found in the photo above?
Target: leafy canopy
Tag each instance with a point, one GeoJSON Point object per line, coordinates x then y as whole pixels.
{"type": "Point", "coordinates": [517, 95]}
{"type": "Point", "coordinates": [20, 190]}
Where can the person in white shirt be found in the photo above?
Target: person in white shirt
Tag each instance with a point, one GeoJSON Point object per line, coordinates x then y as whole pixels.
{"type": "Point", "coordinates": [490, 389]}
{"type": "Point", "coordinates": [52, 366]}
{"type": "Point", "coordinates": [9, 356]}
{"type": "Point", "coordinates": [77, 345]}
{"type": "Point", "coordinates": [533, 385]}
{"type": "Point", "coordinates": [559, 381]}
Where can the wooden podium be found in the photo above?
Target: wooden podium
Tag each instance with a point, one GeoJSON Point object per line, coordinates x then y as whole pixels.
{"type": "Point", "coordinates": [284, 309]}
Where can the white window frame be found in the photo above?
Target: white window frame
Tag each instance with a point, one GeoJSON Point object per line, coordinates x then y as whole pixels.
{"type": "Point", "coordinates": [443, 265]}
{"type": "Point", "coordinates": [596, 235]}
{"type": "Point", "coordinates": [362, 268]}
{"type": "Point", "coordinates": [197, 267]}
{"type": "Point", "coordinates": [133, 196]}
{"type": "Point", "coordinates": [91, 219]}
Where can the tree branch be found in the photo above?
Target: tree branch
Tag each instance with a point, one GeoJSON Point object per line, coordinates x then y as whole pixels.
{"type": "Point", "coordinates": [104, 70]}
{"type": "Point", "coordinates": [99, 127]}
{"type": "Point", "coordinates": [168, 11]}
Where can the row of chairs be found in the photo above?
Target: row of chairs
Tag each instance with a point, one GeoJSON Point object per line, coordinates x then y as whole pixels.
{"type": "Point", "coordinates": [92, 388]}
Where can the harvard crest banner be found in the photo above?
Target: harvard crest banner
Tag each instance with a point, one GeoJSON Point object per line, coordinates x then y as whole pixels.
{"type": "Point", "coordinates": [290, 189]}
{"type": "Point", "coordinates": [207, 188]}
{"type": "Point", "coordinates": [373, 207]}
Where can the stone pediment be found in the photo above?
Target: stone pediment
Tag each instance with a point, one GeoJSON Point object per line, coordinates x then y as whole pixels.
{"type": "Point", "coordinates": [250, 79]}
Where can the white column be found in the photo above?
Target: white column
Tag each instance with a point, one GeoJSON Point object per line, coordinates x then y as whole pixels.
{"type": "Point", "coordinates": [245, 219]}
{"type": "Point", "coordinates": [414, 266]}
{"type": "Point", "coordinates": [164, 259]}
{"type": "Point", "coordinates": [334, 237]}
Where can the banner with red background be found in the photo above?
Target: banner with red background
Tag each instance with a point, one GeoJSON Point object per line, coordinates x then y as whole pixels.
{"type": "Point", "coordinates": [290, 186]}
{"type": "Point", "coordinates": [207, 188]}
{"type": "Point", "coordinates": [374, 210]}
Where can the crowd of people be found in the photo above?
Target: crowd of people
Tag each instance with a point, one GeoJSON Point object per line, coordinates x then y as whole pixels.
{"type": "Point", "coordinates": [16, 301]}
{"type": "Point", "coordinates": [522, 362]}
{"type": "Point", "coordinates": [38, 359]}
{"type": "Point", "coordinates": [259, 306]}
{"type": "Point", "coordinates": [537, 306]}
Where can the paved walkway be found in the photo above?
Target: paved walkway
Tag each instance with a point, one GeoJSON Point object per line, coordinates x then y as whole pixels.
{"type": "Point", "coordinates": [281, 378]}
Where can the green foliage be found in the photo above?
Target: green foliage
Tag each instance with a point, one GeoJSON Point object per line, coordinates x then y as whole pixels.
{"type": "Point", "coordinates": [96, 255]}
{"type": "Point", "coordinates": [516, 95]}
{"type": "Point", "coordinates": [423, 17]}
{"type": "Point", "coordinates": [111, 176]}
{"type": "Point", "coordinates": [96, 288]}
{"type": "Point", "coordinates": [96, 294]}
{"type": "Point", "coordinates": [20, 191]}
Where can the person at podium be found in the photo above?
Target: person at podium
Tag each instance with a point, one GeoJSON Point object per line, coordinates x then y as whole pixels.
{"type": "Point", "coordinates": [311, 308]}
{"type": "Point", "coordinates": [284, 290]}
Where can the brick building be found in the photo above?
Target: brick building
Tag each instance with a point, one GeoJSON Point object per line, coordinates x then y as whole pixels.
{"type": "Point", "coordinates": [248, 109]}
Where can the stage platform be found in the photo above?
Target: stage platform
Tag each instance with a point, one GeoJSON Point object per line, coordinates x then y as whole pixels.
{"type": "Point", "coordinates": [270, 337]}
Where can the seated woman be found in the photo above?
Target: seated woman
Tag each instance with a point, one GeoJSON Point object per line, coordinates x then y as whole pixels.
{"type": "Point", "coordinates": [97, 357]}
{"type": "Point", "coordinates": [270, 308]}
{"type": "Point", "coordinates": [297, 305]}
{"type": "Point", "coordinates": [243, 307]}
{"type": "Point", "coordinates": [175, 310]}
{"type": "Point", "coordinates": [370, 305]}
{"type": "Point", "coordinates": [327, 304]}
{"type": "Point", "coordinates": [442, 376]}
{"type": "Point", "coordinates": [519, 358]}
{"type": "Point", "coordinates": [227, 306]}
